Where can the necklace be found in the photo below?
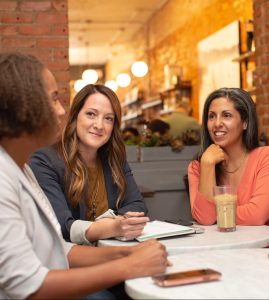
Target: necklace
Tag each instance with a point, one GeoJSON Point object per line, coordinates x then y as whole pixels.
{"type": "Point", "coordinates": [237, 168]}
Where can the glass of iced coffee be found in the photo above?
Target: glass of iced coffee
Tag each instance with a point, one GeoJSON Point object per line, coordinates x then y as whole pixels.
{"type": "Point", "coordinates": [225, 200]}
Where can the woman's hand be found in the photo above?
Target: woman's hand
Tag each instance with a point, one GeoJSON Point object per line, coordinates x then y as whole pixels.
{"type": "Point", "coordinates": [213, 155]}
{"type": "Point", "coordinates": [148, 258]}
{"type": "Point", "coordinates": [131, 224]}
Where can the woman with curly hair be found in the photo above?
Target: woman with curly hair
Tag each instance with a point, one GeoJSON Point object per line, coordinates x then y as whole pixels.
{"type": "Point", "coordinates": [230, 155]}
{"type": "Point", "coordinates": [86, 177]}
{"type": "Point", "coordinates": [35, 261]}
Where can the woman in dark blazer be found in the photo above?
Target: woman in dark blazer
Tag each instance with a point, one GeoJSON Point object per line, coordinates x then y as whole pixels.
{"type": "Point", "coordinates": [86, 177]}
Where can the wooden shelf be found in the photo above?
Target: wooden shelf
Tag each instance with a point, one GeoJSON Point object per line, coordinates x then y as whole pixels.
{"type": "Point", "coordinates": [129, 102]}
{"type": "Point", "coordinates": [131, 116]}
{"type": "Point", "coordinates": [245, 56]}
{"type": "Point", "coordinates": [166, 111]}
{"type": "Point", "coordinates": [151, 104]}
{"type": "Point", "coordinates": [181, 86]}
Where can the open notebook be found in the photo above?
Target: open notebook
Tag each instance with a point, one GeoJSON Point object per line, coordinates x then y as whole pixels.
{"type": "Point", "coordinates": [159, 229]}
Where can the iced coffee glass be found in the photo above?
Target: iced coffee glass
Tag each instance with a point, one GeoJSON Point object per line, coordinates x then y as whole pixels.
{"type": "Point", "coordinates": [225, 199]}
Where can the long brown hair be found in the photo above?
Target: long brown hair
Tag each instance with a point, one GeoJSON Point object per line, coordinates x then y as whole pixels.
{"type": "Point", "coordinates": [76, 173]}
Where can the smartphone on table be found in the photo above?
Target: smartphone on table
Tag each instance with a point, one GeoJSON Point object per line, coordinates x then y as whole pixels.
{"type": "Point", "coordinates": [187, 277]}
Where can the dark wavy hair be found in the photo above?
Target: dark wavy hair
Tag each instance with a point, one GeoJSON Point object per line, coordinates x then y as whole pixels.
{"type": "Point", "coordinates": [76, 174]}
{"type": "Point", "coordinates": [24, 105]}
{"type": "Point", "coordinates": [244, 104]}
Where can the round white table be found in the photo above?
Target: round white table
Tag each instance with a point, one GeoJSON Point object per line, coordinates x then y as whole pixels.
{"type": "Point", "coordinates": [245, 275]}
{"type": "Point", "coordinates": [211, 239]}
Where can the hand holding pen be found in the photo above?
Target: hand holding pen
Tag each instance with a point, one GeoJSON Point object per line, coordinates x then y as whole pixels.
{"type": "Point", "coordinates": [132, 224]}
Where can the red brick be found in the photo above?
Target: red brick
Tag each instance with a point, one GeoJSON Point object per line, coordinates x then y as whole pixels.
{"type": "Point", "coordinates": [59, 65]}
{"type": "Point", "coordinates": [52, 43]}
{"type": "Point", "coordinates": [61, 54]}
{"type": "Point", "coordinates": [34, 30]}
{"type": "Point", "coordinates": [60, 5]}
{"type": "Point", "coordinates": [43, 54]}
{"type": "Point", "coordinates": [51, 48]}
{"type": "Point", "coordinates": [59, 30]}
{"type": "Point", "coordinates": [16, 17]}
{"type": "Point", "coordinates": [18, 42]}
{"type": "Point", "coordinates": [35, 5]}
{"type": "Point", "coordinates": [8, 30]}
{"type": "Point", "coordinates": [52, 18]}
{"type": "Point", "coordinates": [8, 5]}
{"type": "Point", "coordinates": [61, 75]}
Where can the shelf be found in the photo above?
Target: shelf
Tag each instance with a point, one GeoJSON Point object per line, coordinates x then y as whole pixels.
{"type": "Point", "coordinates": [151, 104]}
{"type": "Point", "coordinates": [166, 111]}
{"type": "Point", "coordinates": [131, 116]}
{"type": "Point", "coordinates": [245, 56]}
{"type": "Point", "coordinates": [129, 102]}
{"type": "Point", "coordinates": [181, 86]}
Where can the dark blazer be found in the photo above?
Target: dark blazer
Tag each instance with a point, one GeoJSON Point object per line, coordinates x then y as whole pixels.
{"type": "Point", "coordinates": [48, 167]}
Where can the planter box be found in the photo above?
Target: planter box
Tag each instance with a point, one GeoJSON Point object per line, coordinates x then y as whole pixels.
{"type": "Point", "coordinates": [132, 153]}
{"type": "Point", "coordinates": [166, 153]}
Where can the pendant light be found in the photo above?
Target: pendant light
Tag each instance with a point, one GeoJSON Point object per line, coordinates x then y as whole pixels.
{"type": "Point", "coordinates": [90, 76]}
{"type": "Point", "coordinates": [123, 79]}
{"type": "Point", "coordinates": [139, 68]}
{"type": "Point", "coordinates": [112, 84]}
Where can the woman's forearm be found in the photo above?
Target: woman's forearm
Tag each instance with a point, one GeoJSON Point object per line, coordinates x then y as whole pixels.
{"type": "Point", "coordinates": [81, 256]}
{"type": "Point", "coordinates": [78, 282]}
{"type": "Point", "coordinates": [207, 180]}
{"type": "Point", "coordinates": [146, 259]}
{"type": "Point", "coordinates": [103, 229]}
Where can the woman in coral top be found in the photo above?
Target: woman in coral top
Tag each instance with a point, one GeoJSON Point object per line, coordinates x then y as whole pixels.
{"type": "Point", "coordinates": [230, 154]}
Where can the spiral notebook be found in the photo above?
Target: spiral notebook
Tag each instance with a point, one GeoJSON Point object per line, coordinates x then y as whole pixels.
{"type": "Point", "coordinates": [159, 229]}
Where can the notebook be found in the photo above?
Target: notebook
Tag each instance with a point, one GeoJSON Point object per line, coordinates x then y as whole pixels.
{"type": "Point", "coordinates": [159, 229]}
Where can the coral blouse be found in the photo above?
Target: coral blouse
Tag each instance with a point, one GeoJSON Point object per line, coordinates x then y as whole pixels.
{"type": "Point", "coordinates": [252, 192]}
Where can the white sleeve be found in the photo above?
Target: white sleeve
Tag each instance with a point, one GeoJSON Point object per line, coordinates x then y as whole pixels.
{"type": "Point", "coordinates": [78, 231]}
{"type": "Point", "coordinates": [79, 228]}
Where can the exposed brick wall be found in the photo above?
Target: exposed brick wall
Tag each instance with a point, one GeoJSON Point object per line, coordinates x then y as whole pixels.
{"type": "Point", "coordinates": [261, 79]}
{"type": "Point", "coordinates": [40, 28]}
{"type": "Point", "coordinates": [174, 33]}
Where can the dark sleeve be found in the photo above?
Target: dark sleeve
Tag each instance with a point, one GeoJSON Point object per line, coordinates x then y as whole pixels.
{"type": "Point", "coordinates": [48, 168]}
{"type": "Point", "coordinates": [133, 200]}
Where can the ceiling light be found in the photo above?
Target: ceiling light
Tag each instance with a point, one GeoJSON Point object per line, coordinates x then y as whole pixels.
{"type": "Point", "coordinates": [90, 76]}
{"type": "Point", "coordinates": [79, 84]}
{"type": "Point", "coordinates": [123, 79]}
{"type": "Point", "coordinates": [139, 68]}
{"type": "Point", "coordinates": [112, 84]}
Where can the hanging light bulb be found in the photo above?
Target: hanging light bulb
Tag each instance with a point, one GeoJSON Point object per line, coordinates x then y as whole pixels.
{"type": "Point", "coordinates": [79, 84]}
{"type": "Point", "coordinates": [112, 84]}
{"type": "Point", "coordinates": [139, 68]}
{"type": "Point", "coordinates": [90, 76]}
{"type": "Point", "coordinates": [123, 79]}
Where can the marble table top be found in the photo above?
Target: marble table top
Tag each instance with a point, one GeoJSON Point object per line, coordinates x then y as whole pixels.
{"type": "Point", "coordinates": [211, 239]}
{"type": "Point", "coordinates": [245, 275]}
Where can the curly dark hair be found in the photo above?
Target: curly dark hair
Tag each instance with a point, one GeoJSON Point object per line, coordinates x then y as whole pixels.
{"type": "Point", "coordinates": [24, 105]}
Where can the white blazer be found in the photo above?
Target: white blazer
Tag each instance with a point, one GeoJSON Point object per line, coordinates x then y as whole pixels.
{"type": "Point", "coordinates": [30, 237]}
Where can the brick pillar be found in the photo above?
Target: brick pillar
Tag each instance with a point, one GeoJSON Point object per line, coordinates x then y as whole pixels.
{"type": "Point", "coordinates": [39, 27]}
{"type": "Point", "coordinates": [261, 79]}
